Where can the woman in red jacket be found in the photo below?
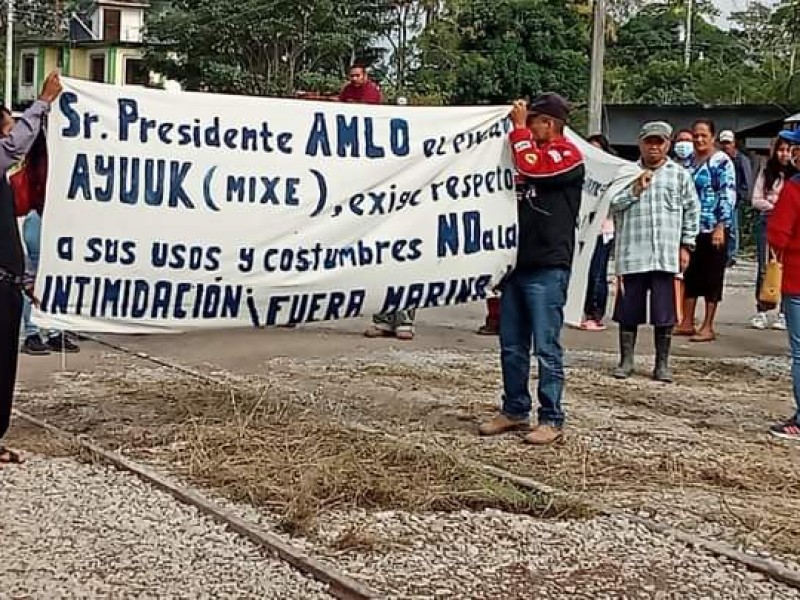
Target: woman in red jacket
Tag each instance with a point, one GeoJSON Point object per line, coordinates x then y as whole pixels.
{"type": "Point", "coordinates": [783, 234]}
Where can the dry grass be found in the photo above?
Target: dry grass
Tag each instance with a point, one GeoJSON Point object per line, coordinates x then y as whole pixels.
{"type": "Point", "coordinates": [290, 453]}
{"type": "Point", "coordinates": [634, 442]}
{"type": "Point", "coordinates": [32, 439]}
{"type": "Point", "coordinates": [294, 441]}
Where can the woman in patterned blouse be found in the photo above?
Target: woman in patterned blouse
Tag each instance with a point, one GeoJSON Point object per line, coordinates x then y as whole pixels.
{"type": "Point", "coordinates": [715, 181]}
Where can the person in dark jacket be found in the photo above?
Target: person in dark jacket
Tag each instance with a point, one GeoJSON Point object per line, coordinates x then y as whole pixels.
{"type": "Point", "coordinates": [534, 294]}
{"type": "Point", "coordinates": [744, 190]}
{"type": "Point", "coordinates": [15, 141]}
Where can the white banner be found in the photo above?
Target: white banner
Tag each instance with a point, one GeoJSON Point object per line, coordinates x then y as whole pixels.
{"type": "Point", "coordinates": [169, 212]}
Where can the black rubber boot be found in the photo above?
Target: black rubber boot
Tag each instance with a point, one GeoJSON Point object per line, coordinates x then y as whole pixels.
{"type": "Point", "coordinates": [663, 341]}
{"type": "Point", "coordinates": [627, 346]}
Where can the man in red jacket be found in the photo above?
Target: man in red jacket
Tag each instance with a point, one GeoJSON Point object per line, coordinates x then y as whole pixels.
{"type": "Point", "coordinates": [361, 88]}
{"type": "Point", "coordinates": [783, 235]}
{"type": "Point", "coordinates": [534, 295]}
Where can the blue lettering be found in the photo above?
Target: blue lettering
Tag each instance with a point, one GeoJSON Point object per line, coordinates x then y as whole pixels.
{"type": "Point", "coordinates": [104, 169]}
{"type": "Point", "coordinates": [373, 150]}
{"type": "Point", "coordinates": [472, 232]}
{"type": "Point", "coordinates": [400, 137]}
{"type": "Point", "coordinates": [128, 114]}
{"type": "Point", "coordinates": [235, 186]}
{"type": "Point", "coordinates": [65, 247]}
{"type": "Point", "coordinates": [182, 290]}
{"type": "Point", "coordinates": [347, 136]}
{"type": "Point", "coordinates": [448, 235]}
{"type": "Point", "coordinates": [79, 180]}
{"type": "Point", "coordinates": [65, 103]}
{"type": "Point", "coordinates": [129, 180]}
{"type": "Point", "coordinates": [291, 191]}
{"type": "Point", "coordinates": [154, 175]}
{"type": "Point", "coordinates": [177, 175]}
{"type": "Point", "coordinates": [318, 140]}
{"type": "Point", "coordinates": [141, 294]}
{"type": "Point", "coordinates": [161, 293]}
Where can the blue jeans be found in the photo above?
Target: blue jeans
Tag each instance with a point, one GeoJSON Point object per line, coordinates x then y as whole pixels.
{"type": "Point", "coordinates": [532, 308]}
{"type": "Point", "coordinates": [792, 307]}
{"type": "Point", "coordinates": [597, 289]}
{"type": "Point", "coordinates": [31, 235]}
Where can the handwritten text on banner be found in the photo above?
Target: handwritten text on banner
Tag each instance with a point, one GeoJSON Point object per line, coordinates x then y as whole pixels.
{"type": "Point", "coordinates": [168, 212]}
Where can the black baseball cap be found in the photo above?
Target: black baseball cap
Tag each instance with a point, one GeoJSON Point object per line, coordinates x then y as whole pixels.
{"type": "Point", "coordinates": [550, 104]}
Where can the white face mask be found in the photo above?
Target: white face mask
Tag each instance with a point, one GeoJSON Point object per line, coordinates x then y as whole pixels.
{"type": "Point", "coordinates": [684, 150]}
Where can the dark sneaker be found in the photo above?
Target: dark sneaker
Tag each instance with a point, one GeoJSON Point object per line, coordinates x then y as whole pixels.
{"type": "Point", "coordinates": [61, 343]}
{"type": "Point", "coordinates": [789, 430]}
{"type": "Point", "coordinates": [35, 346]}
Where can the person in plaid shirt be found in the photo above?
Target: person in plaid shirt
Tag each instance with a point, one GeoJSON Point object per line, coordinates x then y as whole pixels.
{"type": "Point", "coordinates": [656, 220]}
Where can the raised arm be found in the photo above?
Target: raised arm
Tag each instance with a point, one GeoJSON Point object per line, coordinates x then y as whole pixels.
{"type": "Point", "coordinates": [22, 135]}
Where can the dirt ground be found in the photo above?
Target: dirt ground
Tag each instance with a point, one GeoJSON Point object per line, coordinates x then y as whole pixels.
{"type": "Point", "coordinates": [695, 454]}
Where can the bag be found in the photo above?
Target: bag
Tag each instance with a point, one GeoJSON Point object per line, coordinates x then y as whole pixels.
{"type": "Point", "coordinates": [20, 186]}
{"type": "Point", "coordinates": [770, 292]}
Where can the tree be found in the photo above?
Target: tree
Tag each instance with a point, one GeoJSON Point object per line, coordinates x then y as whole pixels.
{"type": "Point", "coordinates": [262, 47]}
{"type": "Point", "coordinates": [435, 71]}
{"type": "Point", "coordinates": [741, 65]}
{"type": "Point", "coordinates": [786, 22]}
{"type": "Point", "coordinates": [512, 48]}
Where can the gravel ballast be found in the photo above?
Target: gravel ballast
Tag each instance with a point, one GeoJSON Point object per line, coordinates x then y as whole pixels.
{"type": "Point", "coordinates": [497, 555]}
{"type": "Point", "coordinates": [72, 530]}
{"type": "Point", "coordinates": [88, 531]}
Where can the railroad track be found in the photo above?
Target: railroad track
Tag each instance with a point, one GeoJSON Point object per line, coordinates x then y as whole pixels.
{"type": "Point", "coordinates": [340, 584]}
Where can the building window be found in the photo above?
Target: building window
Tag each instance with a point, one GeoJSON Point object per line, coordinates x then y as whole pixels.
{"type": "Point", "coordinates": [112, 18]}
{"type": "Point", "coordinates": [28, 69]}
{"type": "Point", "coordinates": [135, 73]}
{"type": "Point", "coordinates": [97, 68]}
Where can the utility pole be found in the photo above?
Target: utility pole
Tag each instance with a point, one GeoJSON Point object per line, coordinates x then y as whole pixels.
{"type": "Point", "coordinates": [687, 50]}
{"type": "Point", "coordinates": [598, 59]}
{"type": "Point", "coordinates": [8, 95]}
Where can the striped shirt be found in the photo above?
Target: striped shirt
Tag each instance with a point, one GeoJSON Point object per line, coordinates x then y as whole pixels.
{"type": "Point", "coordinates": [651, 229]}
{"type": "Point", "coordinates": [715, 182]}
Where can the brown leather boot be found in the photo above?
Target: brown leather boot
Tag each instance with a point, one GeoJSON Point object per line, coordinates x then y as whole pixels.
{"type": "Point", "coordinates": [502, 424]}
{"type": "Point", "coordinates": [544, 435]}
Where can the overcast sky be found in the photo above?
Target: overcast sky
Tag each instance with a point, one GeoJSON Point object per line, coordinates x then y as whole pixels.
{"type": "Point", "coordinates": [727, 6]}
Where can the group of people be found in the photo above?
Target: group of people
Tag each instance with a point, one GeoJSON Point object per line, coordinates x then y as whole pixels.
{"type": "Point", "coordinates": [674, 232]}
{"type": "Point", "coordinates": [671, 231]}
{"type": "Point", "coordinates": [760, 195]}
